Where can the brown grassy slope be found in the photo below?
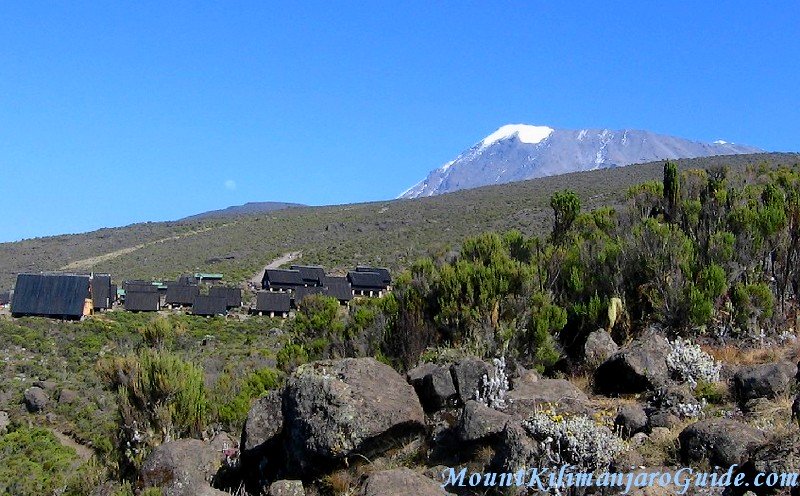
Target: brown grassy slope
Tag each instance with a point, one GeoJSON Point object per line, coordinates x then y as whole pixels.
{"type": "Point", "coordinates": [391, 233]}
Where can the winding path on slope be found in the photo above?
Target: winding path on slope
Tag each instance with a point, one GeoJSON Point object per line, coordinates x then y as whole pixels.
{"type": "Point", "coordinates": [283, 259]}
{"type": "Point", "coordinates": [90, 262]}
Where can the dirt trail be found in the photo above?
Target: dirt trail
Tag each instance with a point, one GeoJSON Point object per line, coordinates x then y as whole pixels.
{"type": "Point", "coordinates": [88, 263]}
{"type": "Point", "coordinates": [83, 452]}
{"type": "Point", "coordinates": [283, 259]}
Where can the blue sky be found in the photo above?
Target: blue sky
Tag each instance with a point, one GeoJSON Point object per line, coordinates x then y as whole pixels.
{"type": "Point", "coordinates": [112, 114]}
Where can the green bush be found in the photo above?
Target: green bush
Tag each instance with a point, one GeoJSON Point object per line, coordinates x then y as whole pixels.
{"type": "Point", "coordinates": [33, 462]}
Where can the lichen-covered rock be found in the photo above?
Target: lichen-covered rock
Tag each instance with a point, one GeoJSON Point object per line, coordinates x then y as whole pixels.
{"type": "Point", "coordinates": [722, 442]}
{"type": "Point", "coordinates": [598, 348]}
{"type": "Point", "coordinates": [515, 449]}
{"type": "Point", "coordinates": [479, 422]}
{"type": "Point", "coordinates": [287, 488]}
{"type": "Point", "coordinates": [527, 397]}
{"type": "Point", "coordinates": [781, 455]}
{"type": "Point", "coordinates": [638, 367]}
{"type": "Point", "coordinates": [66, 396]}
{"type": "Point", "coordinates": [400, 482]}
{"type": "Point", "coordinates": [184, 467]}
{"type": "Point", "coordinates": [36, 399]}
{"type": "Point", "coordinates": [768, 380]}
{"type": "Point", "coordinates": [434, 386]}
{"type": "Point", "coordinates": [631, 419]}
{"type": "Point", "coordinates": [337, 408]}
{"type": "Point", "coordinates": [264, 424]}
{"type": "Point", "coordinates": [662, 419]}
{"type": "Point", "coordinates": [467, 377]}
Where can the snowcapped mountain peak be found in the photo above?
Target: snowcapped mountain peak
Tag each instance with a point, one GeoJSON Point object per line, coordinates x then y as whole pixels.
{"type": "Point", "coordinates": [499, 158]}
{"type": "Point", "coordinates": [524, 132]}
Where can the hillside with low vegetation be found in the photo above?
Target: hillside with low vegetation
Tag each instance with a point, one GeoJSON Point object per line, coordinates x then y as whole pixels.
{"type": "Point", "coordinates": [647, 321]}
{"type": "Point", "coordinates": [390, 233]}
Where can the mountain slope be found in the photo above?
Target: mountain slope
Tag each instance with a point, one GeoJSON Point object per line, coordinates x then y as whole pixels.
{"type": "Point", "coordinates": [517, 152]}
{"type": "Point", "coordinates": [388, 233]}
{"type": "Point", "coordinates": [246, 209]}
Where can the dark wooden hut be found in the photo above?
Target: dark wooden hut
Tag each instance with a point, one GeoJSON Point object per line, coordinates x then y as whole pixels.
{"type": "Point", "coordinates": [208, 305]}
{"type": "Point", "coordinates": [62, 296]}
{"type": "Point", "coordinates": [282, 280]}
{"type": "Point", "coordinates": [233, 296]}
{"type": "Point", "coordinates": [142, 301]}
{"type": "Point", "coordinates": [181, 295]}
{"type": "Point", "coordinates": [273, 304]}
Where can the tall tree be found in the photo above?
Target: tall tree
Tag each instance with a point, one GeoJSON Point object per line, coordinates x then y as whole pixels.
{"type": "Point", "coordinates": [566, 206]}
{"type": "Point", "coordinates": [671, 189]}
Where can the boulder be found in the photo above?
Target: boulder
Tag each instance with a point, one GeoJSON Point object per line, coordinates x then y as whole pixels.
{"type": "Point", "coordinates": [264, 425]}
{"type": "Point", "coordinates": [184, 467]}
{"type": "Point", "coordinates": [337, 408]}
{"type": "Point", "coordinates": [796, 409]}
{"type": "Point", "coordinates": [664, 419]}
{"type": "Point", "coordinates": [631, 419]}
{"type": "Point", "coordinates": [4, 422]}
{"type": "Point", "coordinates": [468, 377]}
{"type": "Point", "coordinates": [36, 399]}
{"type": "Point", "coordinates": [49, 386]}
{"type": "Point", "coordinates": [400, 482]}
{"type": "Point", "coordinates": [515, 449]}
{"type": "Point", "coordinates": [598, 348]}
{"type": "Point", "coordinates": [638, 367]}
{"type": "Point", "coordinates": [479, 422]}
{"type": "Point", "coordinates": [526, 397]}
{"type": "Point", "coordinates": [416, 375]}
{"type": "Point", "coordinates": [722, 442]}
{"type": "Point", "coordinates": [67, 396]}
{"type": "Point", "coordinates": [781, 455]}
{"type": "Point", "coordinates": [287, 488]}
{"type": "Point", "coordinates": [434, 386]}
{"type": "Point", "coordinates": [768, 380]}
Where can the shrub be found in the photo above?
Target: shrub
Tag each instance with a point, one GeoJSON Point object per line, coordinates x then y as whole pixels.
{"type": "Point", "coordinates": [33, 462]}
{"type": "Point", "coordinates": [691, 364]}
{"type": "Point", "coordinates": [492, 391]}
{"type": "Point", "coordinates": [575, 440]}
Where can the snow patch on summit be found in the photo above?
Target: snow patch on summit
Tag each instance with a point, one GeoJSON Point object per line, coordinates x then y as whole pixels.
{"type": "Point", "coordinates": [524, 132]}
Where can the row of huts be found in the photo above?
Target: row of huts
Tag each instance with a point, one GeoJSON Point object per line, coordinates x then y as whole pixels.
{"type": "Point", "coordinates": [72, 296]}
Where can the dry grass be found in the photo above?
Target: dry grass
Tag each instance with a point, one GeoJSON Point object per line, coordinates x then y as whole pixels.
{"type": "Point", "coordinates": [734, 355]}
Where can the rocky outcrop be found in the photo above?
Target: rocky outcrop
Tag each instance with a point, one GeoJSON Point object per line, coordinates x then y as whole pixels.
{"type": "Point", "coordinates": [721, 442]}
{"type": "Point", "coordinates": [434, 386]}
{"type": "Point", "coordinates": [514, 449]}
{"type": "Point", "coordinates": [598, 348]}
{"type": "Point", "coordinates": [264, 424]}
{"type": "Point", "coordinates": [66, 396]}
{"type": "Point", "coordinates": [768, 380]}
{"type": "Point", "coordinates": [335, 409]}
{"type": "Point", "coordinates": [561, 394]}
{"type": "Point", "coordinates": [478, 422]}
{"type": "Point", "coordinates": [287, 488]}
{"type": "Point", "coordinates": [780, 456]}
{"type": "Point", "coordinates": [631, 419]}
{"type": "Point", "coordinates": [36, 399]}
{"type": "Point", "coordinates": [184, 467]}
{"type": "Point", "coordinates": [400, 482]}
{"type": "Point", "coordinates": [638, 367]}
{"type": "Point", "coordinates": [467, 378]}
